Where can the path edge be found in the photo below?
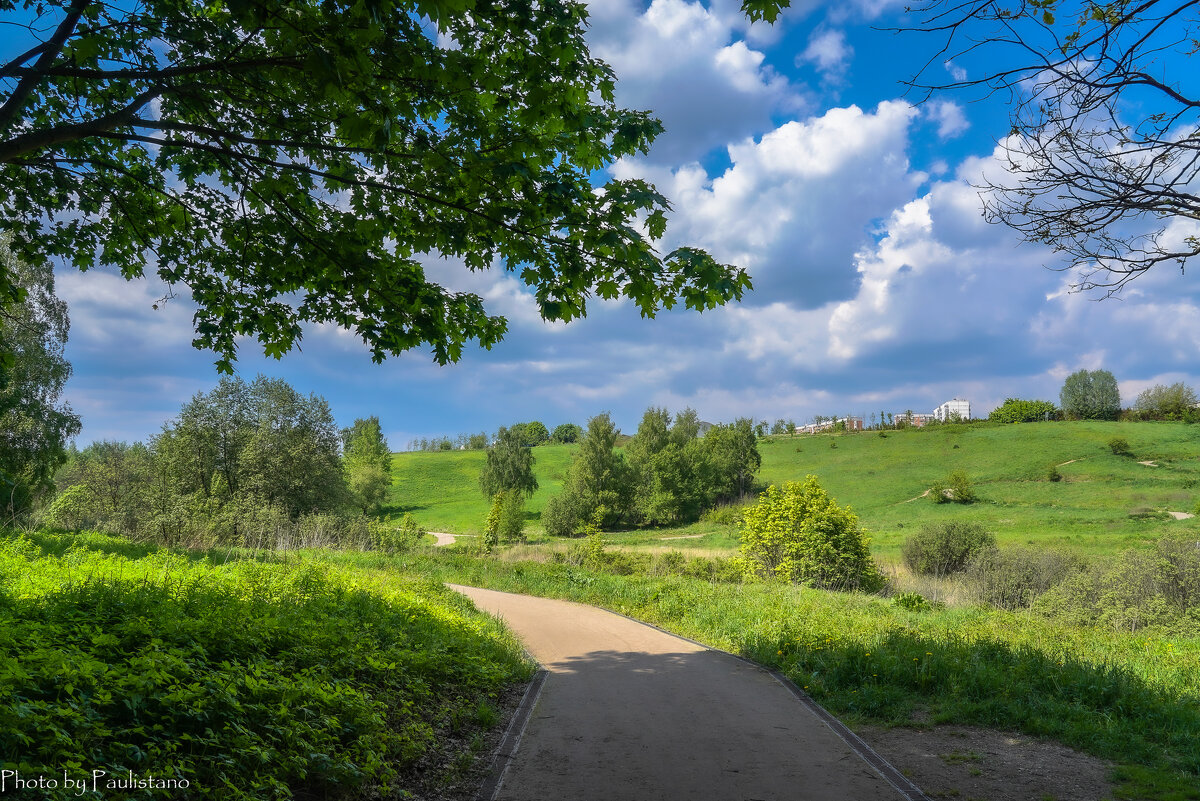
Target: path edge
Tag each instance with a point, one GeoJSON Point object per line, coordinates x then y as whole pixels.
{"type": "Point", "coordinates": [507, 750]}
{"type": "Point", "coordinates": [858, 745]}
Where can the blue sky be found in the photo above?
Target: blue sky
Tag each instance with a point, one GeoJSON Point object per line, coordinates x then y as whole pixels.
{"type": "Point", "coordinates": [790, 150]}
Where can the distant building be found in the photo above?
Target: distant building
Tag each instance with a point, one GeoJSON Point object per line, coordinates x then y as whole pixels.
{"type": "Point", "coordinates": [914, 419]}
{"type": "Point", "coordinates": [953, 409]}
{"type": "Point", "coordinates": [850, 424]}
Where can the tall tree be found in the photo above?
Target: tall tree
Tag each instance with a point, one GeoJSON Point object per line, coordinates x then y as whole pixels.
{"type": "Point", "coordinates": [1091, 395]}
{"type": "Point", "coordinates": [292, 162]}
{"type": "Point", "coordinates": [1103, 156]}
{"type": "Point", "coordinates": [368, 462]}
{"type": "Point", "coordinates": [509, 465]}
{"type": "Point", "coordinates": [35, 423]}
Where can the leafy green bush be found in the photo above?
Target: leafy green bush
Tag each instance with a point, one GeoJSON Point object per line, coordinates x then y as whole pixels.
{"type": "Point", "coordinates": [1052, 474]}
{"type": "Point", "coordinates": [1140, 590]}
{"type": "Point", "coordinates": [1119, 446]}
{"type": "Point", "coordinates": [914, 601]}
{"type": "Point", "coordinates": [397, 539]}
{"type": "Point", "coordinates": [940, 549]}
{"type": "Point", "coordinates": [1015, 410]}
{"type": "Point", "coordinates": [797, 533]}
{"type": "Point", "coordinates": [248, 680]}
{"type": "Point", "coordinates": [561, 517]}
{"type": "Point", "coordinates": [1013, 577]}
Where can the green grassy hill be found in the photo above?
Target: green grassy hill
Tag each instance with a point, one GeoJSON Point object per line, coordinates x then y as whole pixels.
{"type": "Point", "coordinates": [441, 488]}
{"type": "Point", "coordinates": [1103, 503]}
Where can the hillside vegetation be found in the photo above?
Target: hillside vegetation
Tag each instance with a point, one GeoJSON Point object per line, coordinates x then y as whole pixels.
{"type": "Point", "coordinates": [238, 678]}
{"type": "Point", "coordinates": [1103, 502]}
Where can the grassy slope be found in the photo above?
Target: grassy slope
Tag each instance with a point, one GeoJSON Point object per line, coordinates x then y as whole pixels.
{"type": "Point", "coordinates": [1089, 510]}
{"type": "Point", "coordinates": [441, 488]}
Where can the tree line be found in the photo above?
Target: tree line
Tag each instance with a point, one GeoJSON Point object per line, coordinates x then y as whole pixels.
{"type": "Point", "coordinates": [666, 473]}
{"type": "Point", "coordinates": [1094, 395]}
{"type": "Point", "coordinates": [243, 464]}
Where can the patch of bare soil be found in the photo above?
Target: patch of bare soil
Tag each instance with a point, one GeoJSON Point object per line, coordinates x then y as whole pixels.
{"type": "Point", "coordinates": [1181, 515]}
{"type": "Point", "coordinates": [683, 537]}
{"type": "Point", "coordinates": [1148, 464]}
{"type": "Point", "coordinates": [964, 762]}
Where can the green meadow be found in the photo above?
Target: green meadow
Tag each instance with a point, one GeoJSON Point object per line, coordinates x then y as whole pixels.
{"type": "Point", "coordinates": [1103, 503]}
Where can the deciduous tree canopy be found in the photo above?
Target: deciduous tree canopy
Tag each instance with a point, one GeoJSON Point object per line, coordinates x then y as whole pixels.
{"type": "Point", "coordinates": [291, 162]}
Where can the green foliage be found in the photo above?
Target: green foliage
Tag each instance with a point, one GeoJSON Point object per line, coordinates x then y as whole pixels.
{"type": "Point", "coordinates": [367, 462]}
{"type": "Point", "coordinates": [797, 533]}
{"type": "Point", "coordinates": [1159, 402]}
{"type": "Point", "coordinates": [34, 423]}
{"type": "Point", "coordinates": [1052, 473]}
{"type": "Point", "coordinates": [246, 464]}
{"type": "Point", "coordinates": [1090, 395]}
{"type": "Point", "coordinates": [350, 141]}
{"type": "Point", "coordinates": [566, 433]}
{"type": "Point", "coordinates": [1119, 446]}
{"type": "Point", "coordinates": [955, 488]}
{"type": "Point", "coordinates": [506, 519]}
{"type": "Point", "coordinates": [509, 465]}
{"type": "Point", "coordinates": [913, 601]}
{"type": "Point", "coordinates": [1141, 590]}
{"type": "Point", "coordinates": [394, 539]}
{"type": "Point", "coordinates": [531, 434]}
{"type": "Point", "coordinates": [1013, 577]}
{"type": "Point", "coordinates": [598, 485]}
{"type": "Point", "coordinates": [249, 680]}
{"type": "Point", "coordinates": [940, 549]}
{"type": "Point", "coordinates": [1016, 410]}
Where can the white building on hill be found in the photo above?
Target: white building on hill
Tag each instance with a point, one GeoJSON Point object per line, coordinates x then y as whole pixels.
{"type": "Point", "coordinates": [953, 409]}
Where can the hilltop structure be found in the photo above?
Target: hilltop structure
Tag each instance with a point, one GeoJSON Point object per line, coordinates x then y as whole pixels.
{"type": "Point", "coordinates": [957, 409]}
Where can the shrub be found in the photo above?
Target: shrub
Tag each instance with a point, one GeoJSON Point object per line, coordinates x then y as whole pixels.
{"type": "Point", "coordinates": [1052, 474]}
{"type": "Point", "coordinates": [1119, 446]}
{"type": "Point", "coordinates": [561, 515]}
{"type": "Point", "coordinates": [939, 549]}
{"type": "Point", "coordinates": [797, 533]}
{"type": "Point", "coordinates": [397, 539]}
{"type": "Point", "coordinates": [1160, 589]}
{"type": "Point", "coordinates": [1013, 578]}
{"type": "Point", "coordinates": [1015, 410]}
{"type": "Point", "coordinates": [955, 488]}
{"type": "Point", "coordinates": [914, 601]}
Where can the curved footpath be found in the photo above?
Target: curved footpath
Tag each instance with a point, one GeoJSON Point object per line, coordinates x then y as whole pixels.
{"type": "Point", "coordinates": [631, 713]}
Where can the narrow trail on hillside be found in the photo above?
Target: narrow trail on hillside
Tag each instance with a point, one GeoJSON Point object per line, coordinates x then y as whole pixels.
{"type": "Point", "coordinates": [631, 713]}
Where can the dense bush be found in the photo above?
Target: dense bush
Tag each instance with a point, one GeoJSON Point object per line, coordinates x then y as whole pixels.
{"type": "Point", "coordinates": [1174, 402]}
{"type": "Point", "coordinates": [1013, 577]}
{"type": "Point", "coordinates": [798, 533]}
{"type": "Point", "coordinates": [955, 488]}
{"type": "Point", "coordinates": [940, 549]}
{"type": "Point", "coordinates": [1119, 446]}
{"type": "Point", "coordinates": [1157, 589]}
{"type": "Point", "coordinates": [248, 681]}
{"type": "Point", "coordinates": [1016, 410]}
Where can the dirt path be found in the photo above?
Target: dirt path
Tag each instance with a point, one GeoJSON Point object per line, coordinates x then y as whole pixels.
{"type": "Point", "coordinates": [631, 713]}
{"type": "Point", "coordinates": [443, 539]}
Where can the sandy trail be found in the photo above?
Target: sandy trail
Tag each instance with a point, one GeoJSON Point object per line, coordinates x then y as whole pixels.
{"type": "Point", "coordinates": [632, 713]}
